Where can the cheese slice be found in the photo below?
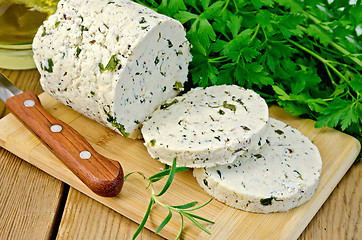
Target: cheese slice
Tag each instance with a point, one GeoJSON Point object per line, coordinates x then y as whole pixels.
{"type": "Point", "coordinates": [206, 126]}
{"type": "Point", "coordinates": [113, 61]}
{"type": "Point", "coordinates": [281, 175]}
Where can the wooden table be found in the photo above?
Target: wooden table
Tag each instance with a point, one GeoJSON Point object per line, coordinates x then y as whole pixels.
{"type": "Point", "coordinates": [34, 205]}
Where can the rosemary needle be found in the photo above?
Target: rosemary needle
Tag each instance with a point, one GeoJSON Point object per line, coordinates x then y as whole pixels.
{"type": "Point", "coordinates": [184, 209]}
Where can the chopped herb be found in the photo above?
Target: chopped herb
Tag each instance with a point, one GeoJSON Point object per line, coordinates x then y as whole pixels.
{"type": "Point", "coordinates": [258, 155]}
{"type": "Point", "coordinates": [268, 201]}
{"type": "Point", "coordinates": [82, 28]}
{"type": "Point", "coordinates": [50, 66]}
{"type": "Point", "coordinates": [299, 175]}
{"type": "Point", "coordinates": [92, 93]}
{"type": "Point", "coordinates": [153, 142]}
{"type": "Point", "coordinates": [229, 106]}
{"type": "Point", "coordinates": [57, 24]}
{"type": "Point", "coordinates": [178, 86]}
{"type": "Point", "coordinates": [170, 45]}
{"type": "Point", "coordinates": [179, 53]}
{"type": "Point", "coordinates": [101, 67]}
{"type": "Point", "coordinates": [221, 112]}
{"type": "Point", "coordinates": [217, 137]}
{"type": "Point", "coordinates": [166, 105]}
{"type": "Point", "coordinates": [239, 101]}
{"type": "Point", "coordinates": [44, 32]}
{"type": "Point", "coordinates": [156, 60]}
{"type": "Point", "coordinates": [113, 121]}
{"type": "Point", "coordinates": [206, 183]}
{"type": "Point", "coordinates": [78, 52]}
{"type": "Point", "coordinates": [145, 27]}
{"type": "Point", "coordinates": [280, 132]}
{"type": "Point", "coordinates": [111, 65]}
{"type": "Point", "coordinates": [219, 173]}
{"type": "Point", "coordinates": [246, 128]}
{"type": "Point", "coordinates": [142, 20]}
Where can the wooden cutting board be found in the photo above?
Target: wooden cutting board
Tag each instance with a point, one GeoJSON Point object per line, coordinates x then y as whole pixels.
{"type": "Point", "coordinates": [337, 149]}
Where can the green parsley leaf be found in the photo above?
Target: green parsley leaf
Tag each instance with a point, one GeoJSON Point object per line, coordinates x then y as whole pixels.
{"type": "Point", "coordinates": [111, 65]}
{"type": "Point", "coordinates": [302, 55]}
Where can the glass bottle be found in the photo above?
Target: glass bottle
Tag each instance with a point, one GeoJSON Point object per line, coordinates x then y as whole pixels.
{"type": "Point", "coordinates": [19, 22]}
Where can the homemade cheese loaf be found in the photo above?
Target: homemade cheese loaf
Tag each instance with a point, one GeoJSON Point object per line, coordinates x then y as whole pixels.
{"type": "Point", "coordinates": [113, 61]}
{"type": "Point", "coordinates": [206, 127]}
{"type": "Point", "coordinates": [281, 175]}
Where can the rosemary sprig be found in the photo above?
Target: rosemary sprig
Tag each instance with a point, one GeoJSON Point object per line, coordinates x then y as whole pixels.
{"type": "Point", "coordinates": [184, 209]}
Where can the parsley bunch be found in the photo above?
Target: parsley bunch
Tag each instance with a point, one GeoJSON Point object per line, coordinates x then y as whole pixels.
{"type": "Point", "coordinates": [303, 55]}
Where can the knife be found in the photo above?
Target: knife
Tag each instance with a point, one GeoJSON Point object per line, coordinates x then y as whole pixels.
{"type": "Point", "coordinates": [102, 175]}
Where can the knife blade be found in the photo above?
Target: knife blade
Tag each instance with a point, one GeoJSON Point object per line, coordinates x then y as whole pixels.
{"type": "Point", "coordinates": [102, 175]}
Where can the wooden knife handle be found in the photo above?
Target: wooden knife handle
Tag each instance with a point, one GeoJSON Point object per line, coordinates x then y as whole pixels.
{"type": "Point", "coordinates": [102, 175]}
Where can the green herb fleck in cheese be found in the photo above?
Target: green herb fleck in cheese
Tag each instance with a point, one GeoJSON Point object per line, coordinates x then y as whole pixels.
{"type": "Point", "coordinates": [112, 120]}
{"type": "Point", "coordinates": [111, 65]}
{"type": "Point", "coordinates": [50, 66]}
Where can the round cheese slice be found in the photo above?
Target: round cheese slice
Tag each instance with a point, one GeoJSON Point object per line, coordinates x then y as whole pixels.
{"type": "Point", "coordinates": [113, 61]}
{"type": "Point", "coordinates": [206, 126]}
{"type": "Point", "coordinates": [281, 175]}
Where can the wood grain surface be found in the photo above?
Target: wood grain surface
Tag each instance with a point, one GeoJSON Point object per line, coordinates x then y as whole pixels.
{"type": "Point", "coordinates": [339, 217]}
{"type": "Point", "coordinates": [85, 218]}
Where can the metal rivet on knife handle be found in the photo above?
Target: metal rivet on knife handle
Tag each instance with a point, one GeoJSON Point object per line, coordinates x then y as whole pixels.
{"type": "Point", "coordinates": [29, 103]}
{"type": "Point", "coordinates": [85, 155]}
{"type": "Point", "coordinates": [56, 128]}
